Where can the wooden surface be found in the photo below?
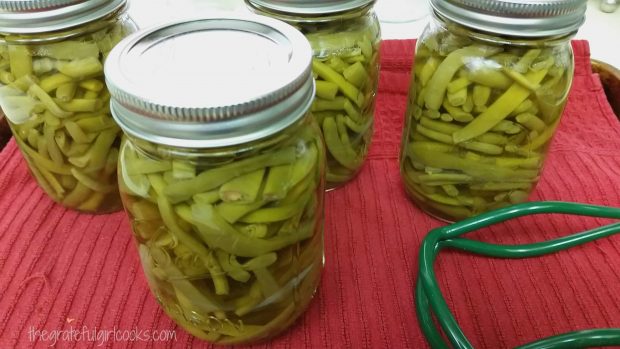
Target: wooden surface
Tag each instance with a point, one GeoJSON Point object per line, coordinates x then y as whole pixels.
{"type": "Point", "coordinates": [610, 77]}
{"type": "Point", "coordinates": [5, 132]}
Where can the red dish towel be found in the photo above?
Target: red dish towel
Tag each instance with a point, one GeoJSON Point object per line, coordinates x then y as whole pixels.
{"type": "Point", "coordinates": [62, 271]}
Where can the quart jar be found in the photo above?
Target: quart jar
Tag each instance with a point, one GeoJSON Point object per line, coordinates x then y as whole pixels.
{"type": "Point", "coordinates": [222, 171]}
{"type": "Point", "coordinates": [53, 94]}
{"type": "Point", "coordinates": [345, 37]}
{"type": "Point", "coordinates": [489, 85]}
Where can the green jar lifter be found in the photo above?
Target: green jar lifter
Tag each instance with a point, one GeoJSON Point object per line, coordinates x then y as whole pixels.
{"type": "Point", "coordinates": [53, 94]}
{"type": "Point", "coordinates": [222, 171]}
{"type": "Point", "coordinates": [345, 38]}
{"type": "Point", "coordinates": [488, 88]}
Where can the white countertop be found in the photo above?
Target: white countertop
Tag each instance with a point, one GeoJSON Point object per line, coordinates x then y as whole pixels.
{"type": "Point", "coordinates": [600, 29]}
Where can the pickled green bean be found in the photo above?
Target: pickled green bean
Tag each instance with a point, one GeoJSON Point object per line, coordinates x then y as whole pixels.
{"type": "Point", "coordinates": [6, 77]}
{"type": "Point", "coordinates": [66, 92]}
{"type": "Point", "coordinates": [481, 95]}
{"type": "Point", "coordinates": [79, 194]}
{"type": "Point", "coordinates": [499, 110]}
{"type": "Point", "coordinates": [457, 98]}
{"type": "Point", "coordinates": [456, 113]}
{"type": "Point", "coordinates": [275, 214]}
{"type": "Point", "coordinates": [521, 79]}
{"type": "Point", "coordinates": [348, 89]}
{"type": "Point", "coordinates": [68, 50]}
{"type": "Point", "coordinates": [232, 212]}
{"type": "Point", "coordinates": [52, 82]}
{"type": "Point", "coordinates": [91, 183]}
{"type": "Point", "coordinates": [277, 183]}
{"type": "Point", "coordinates": [492, 77]}
{"type": "Point", "coordinates": [81, 68]}
{"type": "Point", "coordinates": [218, 233]}
{"type": "Point", "coordinates": [209, 197]}
{"type": "Point", "coordinates": [438, 84]}
{"type": "Point", "coordinates": [175, 276]}
{"type": "Point", "coordinates": [93, 85]}
{"type": "Point", "coordinates": [233, 269]}
{"type": "Point", "coordinates": [333, 104]}
{"type": "Point", "coordinates": [479, 170]}
{"type": "Point", "coordinates": [524, 63]}
{"type": "Point", "coordinates": [531, 121]}
{"type": "Point", "coordinates": [458, 84]}
{"type": "Point", "coordinates": [356, 74]}
{"type": "Point", "coordinates": [346, 156]}
{"type": "Point", "coordinates": [242, 189]}
{"type": "Point", "coordinates": [211, 179]}
{"type": "Point", "coordinates": [36, 91]}
{"type": "Point", "coordinates": [326, 90]}
{"type": "Point", "coordinates": [20, 60]}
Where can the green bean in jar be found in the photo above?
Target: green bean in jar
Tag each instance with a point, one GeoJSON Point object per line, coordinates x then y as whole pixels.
{"type": "Point", "coordinates": [54, 96]}
{"type": "Point", "coordinates": [482, 110]}
{"type": "Point", "coordinates": [345, 37]}
{"type": "Point", "coordinates": [224, 185]}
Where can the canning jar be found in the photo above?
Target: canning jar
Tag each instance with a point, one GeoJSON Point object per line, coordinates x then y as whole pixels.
{"type": "Point", "coordinates": [53, 94]}
{"type": "Point", "coordinates": [489, 85]}
{"type": "Point", "coordinates": [221, 171]}
{"type": "Point", "coordinates": [345, 38]}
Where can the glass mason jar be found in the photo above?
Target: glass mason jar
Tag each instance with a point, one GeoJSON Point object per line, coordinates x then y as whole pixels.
{"type": "Point", "coordinates": [53, 94]}
{"type": "Point", "coordinates": [345, 38]}
{"type": "Point", "coordinates": [489, 85]}
{"type": "Point", "coordinates": [222, 171]}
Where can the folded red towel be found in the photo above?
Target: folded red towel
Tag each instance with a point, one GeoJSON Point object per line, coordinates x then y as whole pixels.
{"type": "Point", "coordinates": [66, 273]}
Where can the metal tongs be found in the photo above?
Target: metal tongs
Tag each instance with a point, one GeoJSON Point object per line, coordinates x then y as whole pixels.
{"type": "Point", "coordinates": [430, 301]}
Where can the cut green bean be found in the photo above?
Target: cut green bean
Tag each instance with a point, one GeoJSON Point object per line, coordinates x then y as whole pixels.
{"type": "Point", "coordinates": [232, 212]}
{"type": "Point", "coordinates": [243, 189]}
{"type": "Point", "coordinates": [81, 68]}
{"type": "Point", "coordinates": [345, 155]}
{"type": "Point", "coordinates": [52, 82]}
{"type": "Point", "coordinates": [457, 98]}
{"type": "Point", "coordinates": [526, 60]}
{"type": "Point", "coordinates": [531, 121]}
{"type": "Point", "coordinates": [334, 104]}
{"type": "Point", "coordinates": [211, 179]}
{"type": "Point", "coordinates": [491, 77]}
{"type": "Point", "coordinates": [356, 74]}
{"type": "Point", "coordinates": [20, 60]}
{"type": "Point", "coordinates": [66, 92]}
{"type": "Point", "coordinates": [348, 89]}
{"type": "Point", "coordinates": [481, 95]}
{"type": "Point", "coordinates": [326, 90]}
{"type": "Point", "coordinates": [458, 84]}
{"type": "Point", "coordinates": [438, 84]}
{"type": "Point", "coordinates": [499, 110]}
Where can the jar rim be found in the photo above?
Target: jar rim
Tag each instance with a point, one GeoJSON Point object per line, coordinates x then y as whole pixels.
{"type": "Point", "coordinates": [534, 19]}
{"type": "Point", "coordinates": [28, 17]}
{"type": "Point", "coordinates": [312, 8]}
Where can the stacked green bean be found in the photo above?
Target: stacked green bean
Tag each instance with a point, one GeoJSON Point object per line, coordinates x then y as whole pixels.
{"type": "Point", "coordinates": [232, 245]}
{"type": "Point", "coordinates": [346, 68]}
{"type": "Point", "coordinates": [54, 96]}
{"type": "Point", "coordinates": [479, 122]}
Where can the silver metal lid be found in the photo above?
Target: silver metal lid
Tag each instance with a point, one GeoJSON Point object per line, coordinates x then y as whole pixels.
{"type": "Point", "coordinates": [210, 82]}
{"type": "Point", "coordinates": [314, 7]}
{"type": "Point", "coordinates": [39, 16]}
{"type": "Point", "coordinates": [525, 18]}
